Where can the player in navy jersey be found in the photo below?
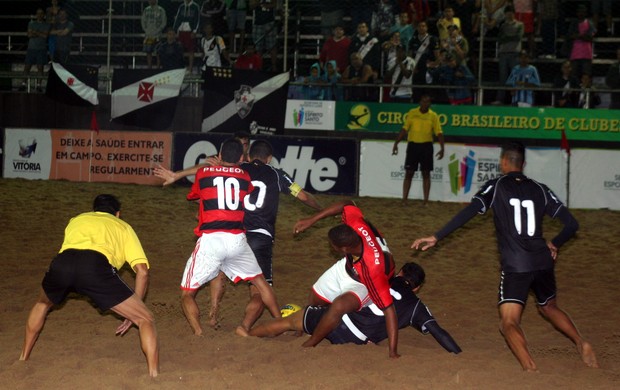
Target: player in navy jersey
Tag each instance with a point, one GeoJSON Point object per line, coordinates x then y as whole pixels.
{"type": "Point", "coordinates": [527, 260]}
{"type": "Point", "coordinates": [368, 324]}
{"type": "Point", "coordinates": [222, 245]}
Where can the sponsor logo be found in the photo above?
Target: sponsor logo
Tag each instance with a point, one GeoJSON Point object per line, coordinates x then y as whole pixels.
{"type": "Point", "coordinates": [244, 100]}
{"type": "Point", "coordinates": [298, 117]}
{"type": "Point", "coordinates": [359, 117]}
{"type": "Point", "coordinates": [613, 184]}
{"type": "Point", "coordinates": [27, 148]}
{"type": "Point", "coordinates": [461, 172]}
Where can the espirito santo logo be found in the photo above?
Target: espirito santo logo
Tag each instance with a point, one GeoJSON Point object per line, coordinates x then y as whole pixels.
{"type": "Point", "coordinates": [359, 117]}
{"type": "Point", "coordinates": [461, 172]}
{"type": "Point", "coordinates": [298, 117]}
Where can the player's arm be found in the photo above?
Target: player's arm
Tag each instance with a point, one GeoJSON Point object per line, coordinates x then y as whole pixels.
{"type": "Point", "coordinates": [570, 228]}
{"type": "Point", "coordinates": [442, 337]}
{"type": "Point", "coordinates": [441, 144]}
{"type": "Point", "coordinates": [401, 136]}
{"type": "Point", "coordinates": [329, 211]}
{"type": "Point", "coordinates": [305, 197]}
{"type": "Point", "coordinates": [170, 177]}
{"type": "Point", "coordinates": [391, 326]}
{"type": "Point", "coordinates": [456, 222]}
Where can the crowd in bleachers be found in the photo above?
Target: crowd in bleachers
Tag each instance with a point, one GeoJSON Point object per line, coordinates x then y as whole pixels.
{"type": "Point", "coordinates": [388, 42]}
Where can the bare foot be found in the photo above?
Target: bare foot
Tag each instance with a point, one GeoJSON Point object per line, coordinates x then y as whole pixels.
{"type": "Point", "coordinates": [241, 331]}
{"type": "Point", "coordinates": [213, 319]}
{"type": "Point", "coordinates": [587, 355]}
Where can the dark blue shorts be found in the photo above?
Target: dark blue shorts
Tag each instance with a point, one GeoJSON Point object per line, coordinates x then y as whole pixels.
{"type": "Point", "coordinates": [419, 155]}
{"type": "Point", "coordinates": [341, 335]}
{"type": "Point", "coordinates": [85, 272]}
{"type": "Point", "coordinates": [262, 246]}
{"type": "Point", "coordinates": [515, 286]}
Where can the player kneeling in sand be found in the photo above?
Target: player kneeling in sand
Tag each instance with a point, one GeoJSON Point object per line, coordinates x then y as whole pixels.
{"type": "Point", "coordinates": [368, 324]}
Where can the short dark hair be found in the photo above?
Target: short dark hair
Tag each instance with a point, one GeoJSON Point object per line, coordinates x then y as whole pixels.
{"type": "Point", "coordinates": [242, 134]}
{"type": "Point", "coordinates": [514, 152]}
{"type": "Point", "coordinates": [107, 203]}
{"type": "Point", "coordinates": [414, 274]}
{"type": "Point", "coordinates": [231, 150]}
{"type": "Point", "coordinates": [343, 235]}
{"type": "Point", "coordinates": [260, 149]}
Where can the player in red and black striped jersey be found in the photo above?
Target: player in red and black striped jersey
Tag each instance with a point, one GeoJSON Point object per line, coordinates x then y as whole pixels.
{"type": "Point", "coordinates": [222, 245]}
{"type": "Point", "coordinates": [519, 205]}
{"type": "Point", "coordinates": [360, 278]}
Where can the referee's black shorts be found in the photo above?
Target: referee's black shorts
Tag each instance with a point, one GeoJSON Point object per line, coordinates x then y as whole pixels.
{"type": "Point", "coordinates": [85, 272]}
{"type": "Point", "coordinates": [419, 154]}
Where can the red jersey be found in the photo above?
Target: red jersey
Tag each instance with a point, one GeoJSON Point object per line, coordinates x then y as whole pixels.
{"type": "Point", "coordinates": [221, 191]}
{"type": "Point", "coordinates": [375, 268]}
{"type": "Point", "coordinates": [253, 62]}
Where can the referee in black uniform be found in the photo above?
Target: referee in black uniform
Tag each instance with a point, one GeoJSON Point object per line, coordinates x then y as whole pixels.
{"type": "Point", "coordinates": [527, 260]}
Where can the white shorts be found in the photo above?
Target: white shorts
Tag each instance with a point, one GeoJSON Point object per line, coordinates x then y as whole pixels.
{"type": "Point", "coordinates": [215, 252]}
{"type": "Point", "coordinates": [336, 281]}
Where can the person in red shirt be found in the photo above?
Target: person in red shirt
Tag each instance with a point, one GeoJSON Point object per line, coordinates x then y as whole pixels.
{"type": "Point", "coordinates": [336, 48]}
{"type": "Point", "coordinates": [360, 278]}
{"type": "Point", "coordinates": [249, 59]}
{"type": "Point", "coordinates": [222, 244]}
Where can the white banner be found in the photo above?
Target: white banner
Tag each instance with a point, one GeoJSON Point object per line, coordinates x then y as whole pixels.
{"type": "Point", "coordinates": [595, 179]}
{"type": "Point", "coordinates": [310, 115]}
{"type": "Point", "coordinates": [27, 153]}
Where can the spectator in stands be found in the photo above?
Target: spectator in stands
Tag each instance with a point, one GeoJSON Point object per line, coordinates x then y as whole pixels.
{"type": "Point", "coordinates": [456, 45]}
{"type": "Point", "coordinates": [509, 40]}
{"type": "Point", "coordinates": [213, 11]}
{"type": "Point", "coordinates": [361, 11]}
{"type": "Point", "coordinates": [358, 73]}
{"type": "Point", "coordinates": [36, 54]}
{"type": "Point", "coordinates": [249, 59]}
{"type": "Point", "coordinates": [467, 12]}
{"type": "Point", "coordinates": [453, 73]}
{"type": "Point", "coordinates": [332, 78]}
{"type": "Point", "coordinates": [403, 26]}
{"type": "Point", "coordinates": [366, 45]}
{"type": "Point", "coordinates": [588, 98]}
{"type": "Point", "coordinates": [400, 75]}
{"type": "Point", "coordinates": [264, 29]}
{"type": "Point", "coordinates": [419, 10]}
{"type": "Point", "coordinates": [336, 48]}
{"type": "Point", "coordinates": [153, 22]}
{"type": "Point", "coordinates": [186, 24]}
{"type": "Point", "coordinates": [383, 18]}
{"type": "Point", "coordinates": [596, 6]}
{"type": "Point", "coordinates": [332, 13]}
{"type": "Point", "coordinates": [390, 52]}
{"type": "Point", "coordinates": [447, 20]}
{"type": "Point", "coordinates": [494, 10]}
{"type": "Point", "coordinates": [236, 11]}
{"type": "Point", "coordinates": [524, 12]}
{"type": "Point", "coordinates": [580, 33]}
{"type": "Point", "coordinates": [548, 13]}
{"type": "Point", "coordinates": [214, 52]}
{"type": "Point", "coordinates": [522, 77]}
{"type": "Point", "coordinates": [424, 49]}
{"type": "Point", "coordinates": [170, 52]}
{"type": "Point", "coordinates": [565, 80]}
{"type": "Point", "coordinates": [612, 79]}
{"type": "Point", "coordinates": [62, 30]}
{"type": "Point", "coordinates": [51, 13]}
{"type": "Point", "coordinates": [312, 88]}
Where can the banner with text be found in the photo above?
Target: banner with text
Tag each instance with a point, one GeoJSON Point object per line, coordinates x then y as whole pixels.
{"type": "Point", "coordinates": [317, 165]}
{"type": "Point", "coordinates": [457, 176]}
{"type": "Point", "coordinates": [474, 121]}
{"type": "Point", "coordinates": [310, 114]}
{"type": "Point", "coordinates": [82, 155]}
{"type": "Point", "coordinates": [595, 179]}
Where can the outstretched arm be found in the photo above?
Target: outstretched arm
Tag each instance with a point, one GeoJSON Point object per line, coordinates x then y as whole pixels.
{"type": "Point", "coordinates": [331, 210]}
{"type": "Point", "coordinates": [443, 337]}
{"type": "Point", "coordinates": [391, 324]}
{"type": "Point", "coordinates": [170, 176]}
{"type": "Point", "coordinates": [308, 199]}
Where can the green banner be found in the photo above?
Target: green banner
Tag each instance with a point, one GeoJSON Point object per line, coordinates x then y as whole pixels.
{"type": "Point", "coordinates": [474, 121]}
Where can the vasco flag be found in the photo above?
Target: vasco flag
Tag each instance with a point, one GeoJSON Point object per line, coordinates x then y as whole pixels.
{"type": "Point", "coordinates": [73, 84]}
{"type": "Point", "coordinates": [244, 100]}
{"type": "Point", "coordinates": [146, 98]}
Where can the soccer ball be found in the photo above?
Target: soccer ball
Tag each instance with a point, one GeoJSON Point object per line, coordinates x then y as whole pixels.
{"type": "Point", "coordinates": [289, 309]}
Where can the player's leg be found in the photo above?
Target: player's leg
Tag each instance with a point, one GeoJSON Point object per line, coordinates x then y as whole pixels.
{"type": "Point", "coordinates": [262, 247]}
{"type": "Point", "coordinates": [426, 185]}
{"type": "Point", "coordinates": [217, 287]}
{"type": "Point", "coordinates": [191, 311]}
{"type": "Point", "coordinates": [34, 324]}
{"type": "Point", "coordinates": [267, 295]}
{"type": "Point", "coordinates": [510, 326]}
{"type": "Point", "coordinates": [253, 309]}
{"type": "Point", "coordinates": [134, 309]}
{"type": "Point", "coordinates": [345, 303]}
{"type": "Point", "coordinates": [277, 326]}
{"type": "Point", "coordinates": [426, 167]}
{"type": "Point", "coordinates": [410, 168]}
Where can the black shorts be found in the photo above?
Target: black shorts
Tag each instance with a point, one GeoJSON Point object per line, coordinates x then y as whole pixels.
{"type": "Point", "coordinates": [262, 246]}
{"type": "Point", "coordinates": [88, 273]}
{"type": "Point", "coordinates": [515, 286]}
{"type": "Point", "coordinates": [419, 154]}
{"type": "Point", "coordinates": [341, 335]}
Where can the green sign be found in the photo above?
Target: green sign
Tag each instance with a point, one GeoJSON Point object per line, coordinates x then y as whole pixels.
{"type": "Point", "coordinates": [475, 121]}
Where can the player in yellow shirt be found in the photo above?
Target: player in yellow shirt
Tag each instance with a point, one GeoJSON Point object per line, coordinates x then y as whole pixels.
{"type": "Point", "coordinates": [95, 246]}
{"type": "Point", "coordinates": [421, 125]}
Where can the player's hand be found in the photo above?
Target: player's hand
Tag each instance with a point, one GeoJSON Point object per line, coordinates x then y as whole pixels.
{"type": "Point", "coordinates": [165, 174]}
{"type": "Point", "coordinates": [426, 242]}
{"type": "Point", "coordinates": [440, 154]}
{"type": "Point", "coordinates": [553, 249]}
{"type": "Point", "coordinates": [302, 225]}
{"type": "Point", "coordinates": [213, 161]}
{"type": "Point", "coordinates": [124, 327]}
{"type": "Point", "coordinates": [394, 150]}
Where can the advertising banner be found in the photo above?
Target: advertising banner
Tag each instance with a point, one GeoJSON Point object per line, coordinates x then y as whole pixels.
{"type": "Point", "coordinates": [595, 179]}
{"type": "Point", "coordinates": [317, 165]}
{"type": "Point", "coordinates": [82, 155]}
{"type": "Point", "coordinates": [474, 121]}
{"type": "Point", "coordinates": [310, 114]}
{"type": "Point", "coordinates": [455, 178]}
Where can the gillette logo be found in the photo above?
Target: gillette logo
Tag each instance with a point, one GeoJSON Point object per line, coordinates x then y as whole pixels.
{"type": "Point", "coordinates": [461, 172]}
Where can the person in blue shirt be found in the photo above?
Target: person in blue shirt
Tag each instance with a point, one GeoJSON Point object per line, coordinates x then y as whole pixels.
{"type": "Point", "coordinates": [523, 76]}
